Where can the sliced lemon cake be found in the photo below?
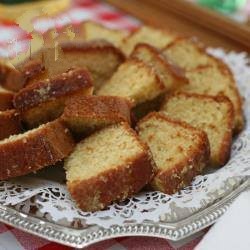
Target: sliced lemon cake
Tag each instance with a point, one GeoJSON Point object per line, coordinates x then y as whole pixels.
{"type": "Point", "coordinates": [10, 123]}
{"type": "Point", "coordinates": [214, 115]}
{"type": "Point", "coordinates": [44, 101]}
{"type": "Point", "coordinates": [100, 58]}
{"type": "Point", "coordinates": [25, 153]}
{"type": "Point", "coordinates": [211, 80]}
{"type": "Point", "coordinates": [134, 80]}
{"type": "Point", "coordinates": [180, 151]}
{"type": "Point", "coordinates": [86, 114]}
{"type": "Point", "coordinates": [93, 31]}
{"type": "Point", "coordinates": [172, 76]}
{"type": "Point", "coordinates": [110, 165]}
{"type": "Point", "coordinates": [146, 34]}
{"type": "Point", "coordinates": [188, 53]}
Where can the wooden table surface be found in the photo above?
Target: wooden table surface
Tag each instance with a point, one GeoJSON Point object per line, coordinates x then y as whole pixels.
{"type": "Point", "coordinates": [212, 29]}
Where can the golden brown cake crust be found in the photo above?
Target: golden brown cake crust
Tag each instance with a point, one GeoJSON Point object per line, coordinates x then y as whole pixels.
{"type": "Point", "coordinates": [176, 71]}
{"type": "Point", "coordinates": [142, 64]}
{"type": "Point", "coordinates": [174, 179]}
{"type": "Point", "coordinates": [95, 45]}
{"type": "Point", "coordinates": [202, 49]}
{"type": "Point", "coordinates": [95, 112]}
{"type": "Point", "coordinates": [121, 183]}
{"type": "Point", "coordinates": [31, 69]}
{"type": "Point", "coordinates": [101, 58]}
{"type": "Point", "coordinates": [187, 38]}
{"type": "Point", "coordinates": [159, 87]}
{"type": "Point", "coordinates": [110, 107]}
{"type": "Point", "coordinates": [238, 111]}
{"type": "Point", "coordinates": [10, 123]}
{"type": "Point", "coordinates": [45, 101]}
{"type": "Point", "coordinates": [199, 46]}
{"type": "Point", "coordinates": [115, 184]}
{"type": "Point", "coordinates": [15, 79]}
{"type": "Point", "coordinates": [62, 85]}
{"type": "Point", "coordinates": [223, 67]}
{"type": "Point", "coordinates": [11, 78]}
{"type": "Point", "coordinates": [43, 147]}
{"type": "Point", "coordinates": [6, 100]}
{"type": "Point", "coordinates": [89, 31]}
{"type": "Point", "coordinates": [225, 148]}
{"type": "Point", "coordinates": [135, 32]}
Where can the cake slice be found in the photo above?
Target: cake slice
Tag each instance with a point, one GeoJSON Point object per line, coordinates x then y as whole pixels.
{"type": "Point", "coordinates": [207, 74]}
{"type": "Point", "coordinates": [146, 34]}
{"type": "Point", "coordinates": [214, 81]}
{"type": "Point", "coordinates": [172, 76]}
{"type": "Point", "coordinates": [10, 123]}
{"type": "Point", "coordinates": [134, 80]}
{"type": "Point", "coordinates": [188, 53]}
{"type": "Point", "coordinates": [93, 31]}
{"type": "Point", "coordinates": [45, 101]}
{"type": "Point", "coordinates": [109, 165]}
{"type": "Point", "coordinates": [86, 114]}
{"type": "Point", "coordinates": [214, 115]}
{"type": "Point", "coordinates": [180, 151]}
{"type": "Point", "coordinates": [26, 153]}
{"type": "Point", "coordinates": [15, 78]}
{"type": "Point", "coordinates": [31, 70]}
{"type": "Point", "coordinates": [6, 98]}
{"type": "Point", "coordinates": [100, 58]}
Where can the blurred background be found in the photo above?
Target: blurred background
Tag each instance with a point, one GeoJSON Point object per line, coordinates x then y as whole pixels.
{"type": "Point", "coordinates": [239, 10]}
{"type": "Point", "coordinates": [216, 22]}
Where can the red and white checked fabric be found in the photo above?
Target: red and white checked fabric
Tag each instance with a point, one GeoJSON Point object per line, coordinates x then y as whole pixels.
{"type": "Point", "coordinates": [14, 40]}
{"type": "Point", "coordinates": [89, 9]}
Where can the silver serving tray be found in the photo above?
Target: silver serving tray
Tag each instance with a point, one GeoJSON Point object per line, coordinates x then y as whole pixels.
{"type": "Point", "coordinates": [80, 238]}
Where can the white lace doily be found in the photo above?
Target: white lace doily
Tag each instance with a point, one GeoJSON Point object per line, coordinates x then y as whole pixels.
{"type": "Point", "coordinates": [50, 199]}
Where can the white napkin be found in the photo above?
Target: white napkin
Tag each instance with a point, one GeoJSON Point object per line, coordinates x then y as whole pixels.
{"type": "Point", "coordinates": [232, 231]}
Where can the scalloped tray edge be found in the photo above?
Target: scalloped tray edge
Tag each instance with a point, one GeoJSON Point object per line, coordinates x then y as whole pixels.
{"type": "Point", "coordinates": [80, 238]}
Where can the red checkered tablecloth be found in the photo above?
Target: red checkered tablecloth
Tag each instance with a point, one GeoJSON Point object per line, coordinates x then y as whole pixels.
{"type": "Point", "coordinates": [14, 40]}
{"type": "Point", "coordinates": [14, 239]}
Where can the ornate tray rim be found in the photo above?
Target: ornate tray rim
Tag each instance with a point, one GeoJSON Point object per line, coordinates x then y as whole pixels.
{"type": "Point", "coordinates": [80, 238]}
